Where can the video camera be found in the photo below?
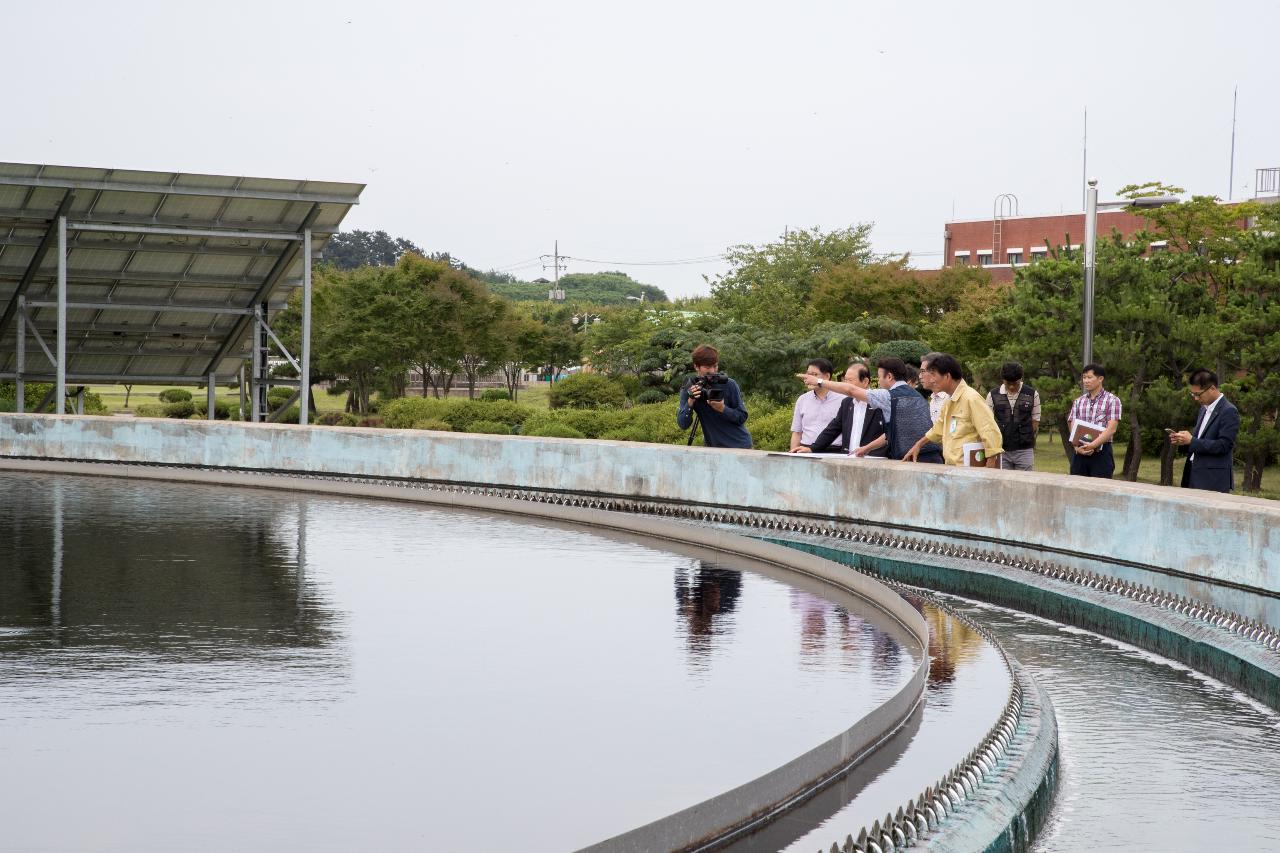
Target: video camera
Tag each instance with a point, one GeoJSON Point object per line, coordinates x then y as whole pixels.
{"type": "Point", "coordinates": [710, 385]}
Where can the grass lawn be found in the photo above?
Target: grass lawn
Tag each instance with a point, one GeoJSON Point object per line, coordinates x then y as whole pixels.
{"type": "Point", "coordinates": [535, 395]}
{"type": "Point", "coordinates": [113, 396]}
{"type": "Point", "coordinates": [1051, 458]}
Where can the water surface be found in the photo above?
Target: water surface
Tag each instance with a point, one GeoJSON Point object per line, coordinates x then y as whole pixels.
{"type": "Point", "coordinates": [205, 668]}
{"type": "Point", "coordinates": [1154, 756]}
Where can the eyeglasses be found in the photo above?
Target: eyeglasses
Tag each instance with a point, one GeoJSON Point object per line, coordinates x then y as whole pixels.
{"type": "Point", "coordinates": [1195, 393]}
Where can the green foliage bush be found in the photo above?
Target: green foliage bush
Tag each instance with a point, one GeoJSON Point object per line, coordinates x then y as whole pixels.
{"type": "Point", "coordinates": [349, 419]}
{"type": "Point", "coordinates": [35, 392]}
{"type": "Point", "coordinates": [489, 427]}
{"type": "Point", "coordinates": [491, 394]}
{"type": "Point", "coordinates": [908, 351]}
{"type": "Point", "coordinates": [651, 395]}
{"type": "Point", "coordinates": [405, 412]}
{"type": "Point", "coordinates": [438, 425]}
{"type": "Point", "coordinates": [554, 430]}
{"type": "Point", "coordinates": [587, 391]}
{"type": "Point", "coordinates": [330, 418]}
{"type": "Point", "coordinates": [371, 421]}
{"type": "Point", "coordinates": [174, 395]}
{"type": "Point", "coordinates": [771, 431]}
{"type": "Point", "coordinates": [148, 410]}
{"type": "Point", "coordinates": [179, 409]}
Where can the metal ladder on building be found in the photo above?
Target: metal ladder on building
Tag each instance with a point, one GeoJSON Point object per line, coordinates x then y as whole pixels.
{"type": "Point", "coordinates": [1005, 206]}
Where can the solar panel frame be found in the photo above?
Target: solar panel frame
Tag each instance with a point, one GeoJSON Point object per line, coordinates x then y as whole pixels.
{"type": "Point", "coordinates": [140, 242]}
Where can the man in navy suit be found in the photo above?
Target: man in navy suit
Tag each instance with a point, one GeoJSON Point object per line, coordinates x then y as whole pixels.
{"type": "Point", "coordinates": [1211, 442]}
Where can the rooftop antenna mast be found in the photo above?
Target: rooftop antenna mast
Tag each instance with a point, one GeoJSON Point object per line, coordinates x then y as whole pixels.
{"type": "Point", "coordinates": [1084, 167]}
{"type": "Point", "coordinates": [1231, 181]}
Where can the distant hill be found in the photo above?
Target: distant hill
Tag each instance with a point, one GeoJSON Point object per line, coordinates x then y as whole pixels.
{"type": "Point", "coordinates": [599, 288]}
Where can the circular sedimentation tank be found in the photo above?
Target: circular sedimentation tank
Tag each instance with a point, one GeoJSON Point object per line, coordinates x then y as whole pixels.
{"type": "Point", "coordinates": [1081, 717]}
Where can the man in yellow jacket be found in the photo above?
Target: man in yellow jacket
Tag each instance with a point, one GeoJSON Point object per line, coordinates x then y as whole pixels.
{"type": "Point", "coordinates": [965, 419]}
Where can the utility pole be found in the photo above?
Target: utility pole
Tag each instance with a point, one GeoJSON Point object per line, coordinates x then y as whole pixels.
{"type": "Point", "coordinates": [556, 294]}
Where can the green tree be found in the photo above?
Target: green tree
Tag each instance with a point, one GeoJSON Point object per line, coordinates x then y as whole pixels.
{"type": "Point", "coordinates": [600, 289]}
{"type": "Point", "coordinates": [770, 285]}
{"type": "Point", "coordinates": [1247, 338]}
{"type": "Point", "coordinates": [351, 249]}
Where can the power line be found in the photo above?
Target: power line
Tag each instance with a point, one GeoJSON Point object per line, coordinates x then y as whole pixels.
{"type": "Point", "coordinates": [526, 262]}
{"type": "Point", "coordinates": [706, 259]}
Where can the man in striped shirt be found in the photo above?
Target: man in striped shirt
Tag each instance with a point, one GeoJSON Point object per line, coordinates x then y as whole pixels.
{"type": "Point", "coordinates": [1094, 458]}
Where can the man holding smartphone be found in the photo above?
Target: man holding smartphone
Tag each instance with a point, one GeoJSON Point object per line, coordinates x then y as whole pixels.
{"type": "Point", "coordinates": [1210, 444]}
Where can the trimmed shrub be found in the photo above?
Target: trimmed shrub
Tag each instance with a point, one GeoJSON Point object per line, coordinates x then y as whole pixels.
{"type": "Point", "coordinates": [435, 424]}
{"type": "Point", "coordinates": [651, 395]}
{"type": "Point", "coordinates": [148, 410]}
{"type": "Point", "coordinates": [554, 430]}
{"type": "Point", "coordinates": [652, 423]}
{"type": "Point", "coordinates": [459, 414]}
{"type": "Point", "coordinates": [372, 421]}
{"type": "Point", "coordinates": [349, 419]}
{"type": "Point", "coordinates": [587, 391]}
{"type": "Point", "coordinates": [174, 395]}
{"type": "Point", "coordinates": [180, 409]}
{"type": "Point", "coordinates": [488, 427]}
{"type": "Point", "coordinates": [492, 394]}
{"type": "Point", "coordinates": [221, 410]}
{"type": "Point", "coordinates": [330, 418]}
{"type": "Point", "coordinates": [277, 397]}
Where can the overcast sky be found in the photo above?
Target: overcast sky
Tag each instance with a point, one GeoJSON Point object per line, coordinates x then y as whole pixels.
{"type": "Point", "coordinates": [653, 131]}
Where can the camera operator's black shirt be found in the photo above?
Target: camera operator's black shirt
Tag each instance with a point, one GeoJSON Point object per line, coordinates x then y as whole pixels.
{"type": "Point", "coordinates": [721, 429]}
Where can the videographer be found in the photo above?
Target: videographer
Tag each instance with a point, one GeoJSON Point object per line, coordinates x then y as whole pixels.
{"type": "Point", "coordinates": [712, 399]}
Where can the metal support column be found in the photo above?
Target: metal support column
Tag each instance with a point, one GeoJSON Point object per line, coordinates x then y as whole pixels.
{"type": "Point", "coordinates": [261, 365]}
{"type": "Point", "coordinates": [80, 400]}
{"type": "Point", "coordinates": [20, 403]}
{"type": "Point", "coordinates": [304, 371]}
{"type": "Point", "coordinates": [243, 401]}
{"type": "Point", "coordinates": [60, 386]}
{"type": "Point", "coordinates": [1090, 239]}
{"type": "Point", "coordinates": [212, 394]}
{"type": "Point", "coordinates": [255, 412]}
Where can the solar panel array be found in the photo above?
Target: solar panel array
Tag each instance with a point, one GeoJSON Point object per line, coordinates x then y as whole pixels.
{"type": "Point", "coordinates": [161, 266]}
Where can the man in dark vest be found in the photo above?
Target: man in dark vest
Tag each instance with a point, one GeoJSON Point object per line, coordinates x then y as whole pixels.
{"type": "Point", "coordinates": [1017, 409]}
{"type": "Point", "coordinates": [906, 413]}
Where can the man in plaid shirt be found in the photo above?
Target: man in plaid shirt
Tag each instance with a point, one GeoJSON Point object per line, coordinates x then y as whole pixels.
{"type": "Point", "coordinates": [1096, 406]}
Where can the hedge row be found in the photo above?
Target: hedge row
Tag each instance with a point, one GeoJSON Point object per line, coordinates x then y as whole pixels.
{"type": "Point", "coordinates": [770, 424]}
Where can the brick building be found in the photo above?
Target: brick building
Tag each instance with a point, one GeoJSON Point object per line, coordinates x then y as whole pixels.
{"type": "Point", "coordinates": [1004, 243]}
{"type": "Point", "coordinates": [1001, 245]}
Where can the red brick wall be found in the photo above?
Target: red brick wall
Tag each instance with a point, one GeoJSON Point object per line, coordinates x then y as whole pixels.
{"type": "Point", "coordinates": [1028, 232]}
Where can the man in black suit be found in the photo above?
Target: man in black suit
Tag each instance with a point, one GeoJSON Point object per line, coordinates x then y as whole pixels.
{"type": "Point", "coordinates": [854, 414]}
{"type": "Point", "coordinates": [1211, 442]}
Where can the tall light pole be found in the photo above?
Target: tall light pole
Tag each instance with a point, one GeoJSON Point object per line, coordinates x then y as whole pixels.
{"type": "Point", "coordinates": [1091, 206]}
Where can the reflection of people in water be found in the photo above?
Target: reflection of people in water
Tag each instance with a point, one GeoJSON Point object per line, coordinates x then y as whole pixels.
{"type": "Point", "coordinates": [950, 642]}
{"type": "Point", "coordinates": [813, 624]}
{"type": "Point", "coordinates": [705, 595]}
